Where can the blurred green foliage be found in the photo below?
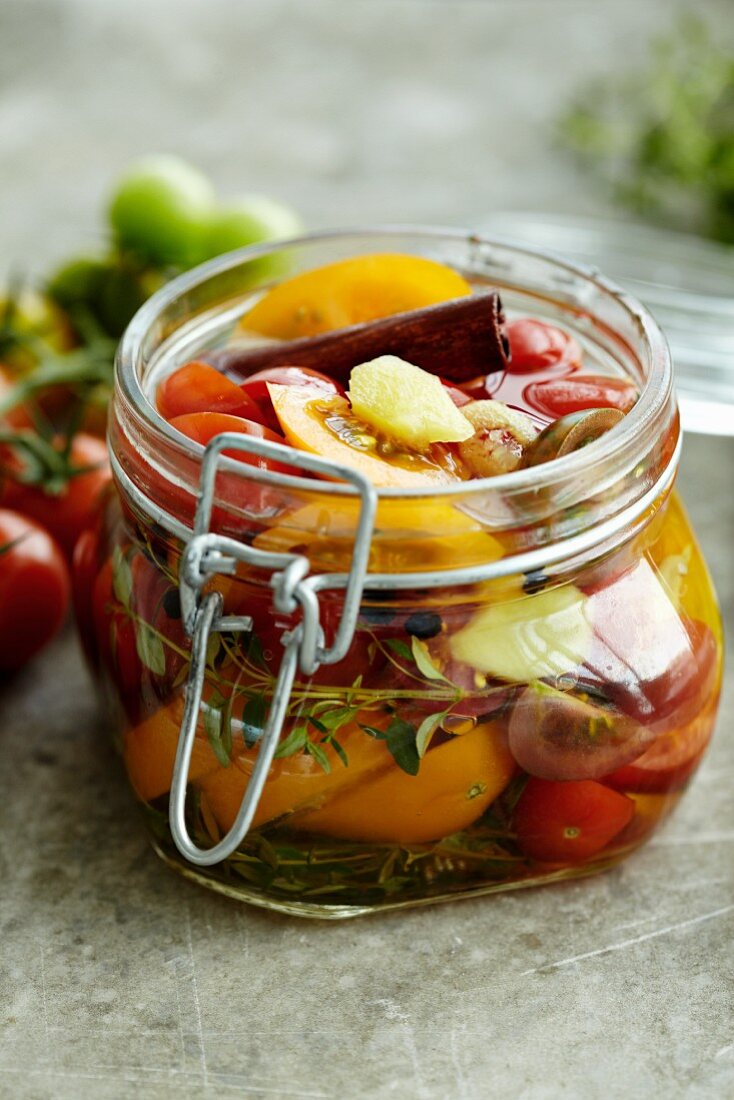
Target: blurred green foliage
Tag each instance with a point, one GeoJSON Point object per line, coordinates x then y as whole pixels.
{"type": "Point", "coordinates": [663, 138]}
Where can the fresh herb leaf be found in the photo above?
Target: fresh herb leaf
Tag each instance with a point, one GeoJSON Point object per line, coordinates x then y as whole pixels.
{"type": "Point", "coordinates": [423, 660]}
{"type": "Point", "coordinates": [150, 649]}
{"type": "Point", "coordinates": [401, 741]}
{"type": "Point", "coordinates": [319, 754]}
{"type": "Point", "coordinates": [122, 577]}
{"type": "Point", "coordinates": [293, 743]}
{"type": "Point", "coordinates": [339, 750]}
{"type": "Point", "coordinates": [426, 730]}
{"type": "Point", "coordinates": [399, 647]}
{"type": "Point", "coordinates": [213, 729]}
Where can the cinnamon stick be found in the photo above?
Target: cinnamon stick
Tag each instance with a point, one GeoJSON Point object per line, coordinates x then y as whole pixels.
{"type": "Point", "coordinates": [458, 340]}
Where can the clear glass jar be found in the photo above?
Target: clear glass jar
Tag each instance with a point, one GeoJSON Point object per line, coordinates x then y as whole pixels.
{"type": "Point", "coordinates": [534, 670]}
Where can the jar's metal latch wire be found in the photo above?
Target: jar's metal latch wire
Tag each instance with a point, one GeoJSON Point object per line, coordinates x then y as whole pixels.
{"type": "Point", "coordinates": [208, 554]}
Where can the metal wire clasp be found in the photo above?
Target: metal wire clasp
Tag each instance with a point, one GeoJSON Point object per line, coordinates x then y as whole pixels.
{"type": "Point", "coordinates": [294, 588]}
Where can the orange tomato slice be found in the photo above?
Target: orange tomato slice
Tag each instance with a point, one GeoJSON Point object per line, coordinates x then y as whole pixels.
{"type": "Point", "coordinates": [149, 751]}
{"type": "Point", "coordinates": [303, 414]}
{"type": "Point", "coordinates": [456, 783]}
{"type": "Point", "coordinates": [294, 781]}
{"type": "Point", "coordinates": [351, 292]}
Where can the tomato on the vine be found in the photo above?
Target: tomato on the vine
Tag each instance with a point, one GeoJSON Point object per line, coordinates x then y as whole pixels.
{"type": "Point", "coordinates": [198, 387]}
{"type": "Point", "coordinates": [68, 512]}
{"type": "Point", "coordinates": [537, 345]}
{"type": "Point", "coordinates": [34, 589]}
{"type": "Point", "coordinates": [558, 396]}
{"type": "Point", "coordinates": [569, 822]}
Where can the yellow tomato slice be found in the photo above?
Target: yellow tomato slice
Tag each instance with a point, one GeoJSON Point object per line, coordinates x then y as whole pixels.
{"type": "Point", "coordinates": [456, 783]}
{"type": "Point", "coordinates": [351, 292]}
{"type": "Point", "coordinates": [410, 536]}
{"type": "Point", "coordinates": [295, 781]}
{"type": "Point", "coordinates": [149, 751]}
{"type": "Point", "coordinates": [303, 416]}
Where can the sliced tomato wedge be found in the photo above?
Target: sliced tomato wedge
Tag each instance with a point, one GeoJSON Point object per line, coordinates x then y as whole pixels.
{"type": "Point", "coordinates": [569, 822]}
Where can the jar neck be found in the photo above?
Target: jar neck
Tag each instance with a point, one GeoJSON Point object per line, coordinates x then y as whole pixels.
{"type": "Point", "coordinates": [572, 505]}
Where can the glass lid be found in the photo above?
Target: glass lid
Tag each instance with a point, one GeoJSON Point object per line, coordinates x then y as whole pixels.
{"type": "Point", "coordinates": [686, 282]}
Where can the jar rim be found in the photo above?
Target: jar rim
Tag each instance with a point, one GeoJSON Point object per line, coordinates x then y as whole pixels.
{"type": "Point", "coordinates": [651, 405]}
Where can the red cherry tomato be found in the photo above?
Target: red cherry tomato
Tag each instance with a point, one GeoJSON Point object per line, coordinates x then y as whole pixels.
{"type": "Point", "coordinates": [557, 396]}
{"type": "Point", "coordinates": [34, 589]}
{"type": "Point", "coordinates": [669, 762]}
{"type": "Point", "coordinates": [569, 822]}
{"type": "Point", "coordinates": [199, 387]}
{"type": "Point", "coordinates": [68, 513]}
{"type": "Point", "coordinates": [203, 427]}
{"type": "Point", "coordinates": [536, 345]}
{"type": "Point", "coordinates": [256, 387]}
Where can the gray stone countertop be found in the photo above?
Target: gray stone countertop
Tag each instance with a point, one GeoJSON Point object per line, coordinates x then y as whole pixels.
{"type": "Point", "coordinates": [118, 979]}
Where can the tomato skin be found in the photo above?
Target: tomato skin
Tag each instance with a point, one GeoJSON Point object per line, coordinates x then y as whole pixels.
{"type": "Point", "coordinates": [569, 822]}
{"type": "Point", "coordinates": [256, 388]}
{"type": "Point", "coordinates": [34, 589]}
{"type": "Point", "coordinates": [558, 396]}
{"type": "Point", "coordinates": [198, 387]}
{"type": "Point", "coordinates": [203, 427]}
{"type": "Point", "coordinates": [65, 515]}
{"type": "Point", "coordinates": [536, 346]}
{"type": "Point", "coordinates": [669, 762]}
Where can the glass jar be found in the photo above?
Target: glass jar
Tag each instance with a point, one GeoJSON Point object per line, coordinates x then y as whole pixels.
{"type": "Point", "coordinates": [504, 683]}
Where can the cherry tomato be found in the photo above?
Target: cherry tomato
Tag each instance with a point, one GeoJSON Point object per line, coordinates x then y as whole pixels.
{"type": "Point", "coordinates": [256, 387]}
{"type": "Point", "coordinates": [68, 513]}
{"type": "Point", "coordinates": [199, 387]}
{"type": "Point", "coordinates": [34, 589]}
{"type": "Point", "coordinates": [669, 762]}
{"type": "Point", "coordinates": [556, 735]}
{"type": "Point", "coordinates": [247, 220]}
{"type": "Point", "coordinates": [557, 396]}
{"type": "Point", "coordinates": [161, 210]}
{"type": "Point", "coordinates": [569, 822]}
{"type": "Point", "coordinates": [536, 346]}
{"type": "Point", "coordinates": [204, 426]}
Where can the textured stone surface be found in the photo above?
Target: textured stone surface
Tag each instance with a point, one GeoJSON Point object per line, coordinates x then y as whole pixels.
{"type": "Point", "coordinates": [117, 978]}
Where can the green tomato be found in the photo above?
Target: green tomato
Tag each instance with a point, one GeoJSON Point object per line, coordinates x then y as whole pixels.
{"type": "Point", "coordinates": [251, 219]}
{"type": "Point", "coordinates": [161, 210]}
{"type": "Point", "coordinates": [77, 282]}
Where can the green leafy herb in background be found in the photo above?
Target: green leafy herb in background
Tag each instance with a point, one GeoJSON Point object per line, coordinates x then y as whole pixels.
{"type": "Point", "coordinates": [663, 138]}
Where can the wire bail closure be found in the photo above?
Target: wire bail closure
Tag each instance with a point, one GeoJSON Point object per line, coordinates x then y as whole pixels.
{"type": "Point", "coordinates": [208, 554]}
